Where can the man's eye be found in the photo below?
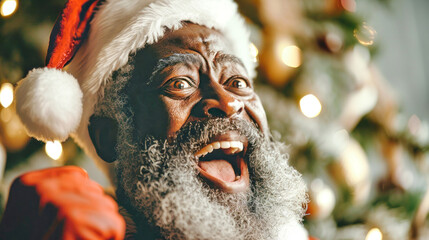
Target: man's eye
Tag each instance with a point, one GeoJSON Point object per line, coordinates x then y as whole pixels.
{"type": "Point", "coordinates": [179, 84]}
{"type": "Point", "coordinates": [238, 83]}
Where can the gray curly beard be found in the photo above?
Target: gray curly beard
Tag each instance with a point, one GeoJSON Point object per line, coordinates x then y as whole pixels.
{"type": "Point", "coordinates": [159, 185]}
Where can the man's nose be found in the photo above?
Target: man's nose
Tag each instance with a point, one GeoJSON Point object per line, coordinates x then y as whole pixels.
{"type": "Point", "coordinates": [221, 104]}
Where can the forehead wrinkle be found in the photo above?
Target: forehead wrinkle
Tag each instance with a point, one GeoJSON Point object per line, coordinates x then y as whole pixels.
{"type": "Point", "coordinates": [186, 59]}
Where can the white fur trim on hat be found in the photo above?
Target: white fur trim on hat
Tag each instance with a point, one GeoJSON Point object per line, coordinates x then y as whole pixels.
{"type": "Point", "coordinates": [122, 27]}
{"type": "Point", "coordinates": [49, 103]}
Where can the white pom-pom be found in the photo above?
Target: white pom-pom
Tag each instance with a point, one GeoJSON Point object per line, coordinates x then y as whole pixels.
{"type": "Point", "coordinates": [49, 103]}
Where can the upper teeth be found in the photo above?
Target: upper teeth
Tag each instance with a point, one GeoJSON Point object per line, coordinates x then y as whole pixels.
{"type": "Point", "coordinates": [232, 146]}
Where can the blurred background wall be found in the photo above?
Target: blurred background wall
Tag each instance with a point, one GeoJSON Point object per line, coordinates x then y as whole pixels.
{"type": "Point", "coordinates": [404, 52]}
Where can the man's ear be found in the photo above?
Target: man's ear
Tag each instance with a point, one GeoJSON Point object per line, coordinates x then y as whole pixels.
{"type": "Point", "coordinates": [103, 132]}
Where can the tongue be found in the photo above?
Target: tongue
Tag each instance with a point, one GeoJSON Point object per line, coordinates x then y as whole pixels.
{"type": "Point", "coordinates": [220, 169]}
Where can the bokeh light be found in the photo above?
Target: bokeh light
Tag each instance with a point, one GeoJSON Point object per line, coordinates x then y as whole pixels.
{"type": "Point", "coordinates": [365, 34]}
{"type": "Point", "coordinates": [6, 94]}
{"type": "Point", "coordinates": [322, 200]}
{"type": "Point", "coordinates": [291, 56]}
{"type": "Point", "coordinates": [8, 7]}
{"type": "Point", "coordinates": [254, 52]}
{"type": "Point", "coordinates": [310, 106]}
{"type": "Point", "coordinates": [324, 195]}
{"type": "Point", "coordinates": [54, 149]}
{"type": "Point", "coordinates": [355, 163]}
{"type": "Point", "coordinates": [374, 234]}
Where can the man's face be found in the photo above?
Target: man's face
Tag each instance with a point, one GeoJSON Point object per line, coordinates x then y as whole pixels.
{"type": "Point", "coordinates": [194, 157]}
{"type": "Point", "coordinates": [193, 76]}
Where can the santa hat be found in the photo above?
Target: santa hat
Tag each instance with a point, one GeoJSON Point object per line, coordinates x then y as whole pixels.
{"type": "Point", "coordinates": [95, 38]}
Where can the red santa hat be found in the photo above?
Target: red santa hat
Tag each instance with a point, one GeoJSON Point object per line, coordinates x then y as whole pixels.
{"type": "Point", "coordinates": [95, 38]}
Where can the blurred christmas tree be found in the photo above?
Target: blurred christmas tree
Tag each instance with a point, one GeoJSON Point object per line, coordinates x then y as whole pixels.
{"type": "Point", "coordinates": [325, 97]}
{"type": "Point", "coordinates": [25, 27]}
{"type": "Point", "coordinates": [364, 164]}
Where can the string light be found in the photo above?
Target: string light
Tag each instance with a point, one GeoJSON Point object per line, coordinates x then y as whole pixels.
{"type": "Point", "coordinates": [254, 52]}
{"type": "Point", "coordinates": [365, 34]}
{"type": "Point", "coordinates": [54, 149]}
{"type": "Point", "coordinates": [291, 56]}
{"type": "Point", "coordinates": [8, 7]}
{"type": "Point", "coordinates": [310, 106]}
{"type": "Point", "coordinates": [6, 94]}
{"type": "Point", "coordinates": [374, 234]}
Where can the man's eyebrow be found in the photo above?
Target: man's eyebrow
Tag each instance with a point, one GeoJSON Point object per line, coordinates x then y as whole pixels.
{"type": "Point", "coordinates": [223, 58]}
{"type": "Point", "coordinates": [174, 59]}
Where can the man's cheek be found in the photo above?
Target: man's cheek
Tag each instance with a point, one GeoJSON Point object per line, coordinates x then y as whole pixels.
{"type": "Point", "coordinates": [178, 114]}
{"type": "Point", "coordinates": [152, 118]}
{"type": "Point", "coordinates": [257, 114]}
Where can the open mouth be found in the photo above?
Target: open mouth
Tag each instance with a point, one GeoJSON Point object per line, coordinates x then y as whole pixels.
{"type": "Point", "coordinates": [222, 163]}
